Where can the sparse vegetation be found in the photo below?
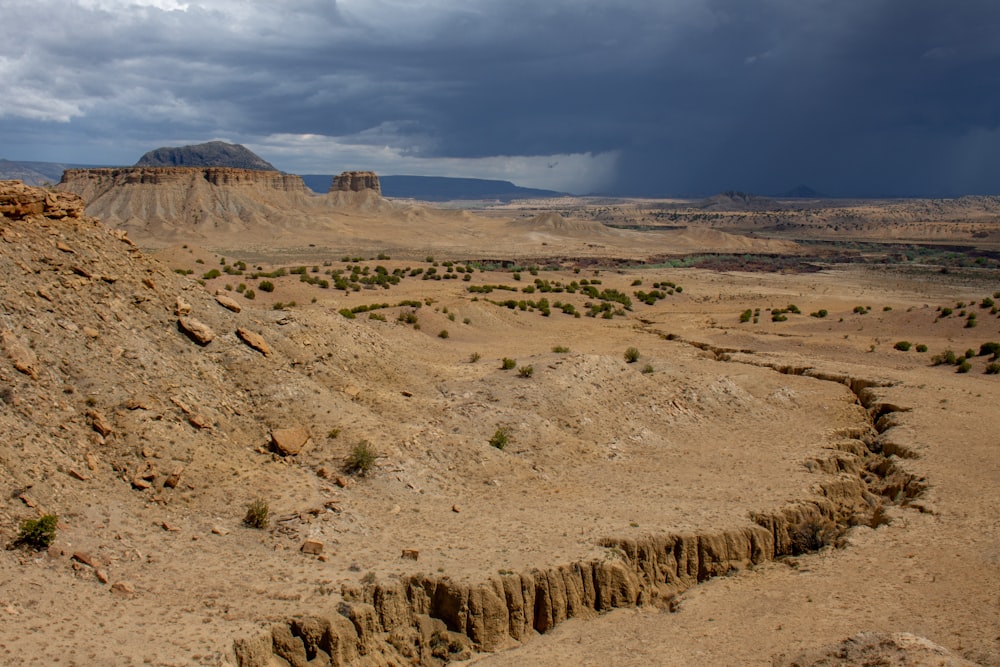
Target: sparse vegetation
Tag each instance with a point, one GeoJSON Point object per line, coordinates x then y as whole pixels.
{"type": "Point", "coordinates": [501, 437]}
{"type": "Point", "coordinates": [921, 348]}
{"type": "Point", "coordinates": [37, 534]}
{"type": "Point", "coordinates": [361, 459]}
{"type": "Point", "coordinates": [258, 513]}
{"type": "Point", "coordinates": [821, 313]}
{"type": "Point", "coordinates": [560, 349]}
{"type": "Point", "coordinates": [443, 333]}
{"type": "Point", "coordinates": [902, 346]}
{"type": "Point", "coordinates": [265, 286]}
{"type": "Point", "coordinates": [632, 355]}
{"type": "Point", "coordinates": [526, 371]}
{"type": "Point", "coordinates": [474, 357]}
{"type": "Point", "coordinates": [946, 357]}
{"type": "Point", "coordinates": [506, 364]}
{"type": "Point", "coordinates": [964, 366]}
{"type": "Point", "coordinates": [746, 315]}
{"type": "Point", "coordinates": [647, 369]}
{"type": "Point", "coordinates": [992, 368]}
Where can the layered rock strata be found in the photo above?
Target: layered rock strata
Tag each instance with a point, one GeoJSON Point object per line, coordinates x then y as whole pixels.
{"type": "Point", "coordinates": [356, 181]}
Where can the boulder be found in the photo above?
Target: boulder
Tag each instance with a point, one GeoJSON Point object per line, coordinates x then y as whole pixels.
{"type": "Point", "coordinates": [254, 340]}
{"type": "Point", "coordinates": [228, 303]}
{"type": "Point", "coordinates": [312, 546]}
{"type": "Point", "coordinates": [289, 441]}
{"type": "Point", "coordinates": [20, 354]}
{"type": "Point", "coordinates": [198, 331]}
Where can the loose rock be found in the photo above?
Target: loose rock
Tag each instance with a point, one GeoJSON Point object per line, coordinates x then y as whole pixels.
{"type": "Point", "coordinates": [289, 441]}
{"type": "Point", "coordinates": [200, 332]}
{"type": "Point", "coordinates": [254, 340]}
{"type": "Point", "coordinates": [311, 546]}
{"type": "Point", "coordinates": [228, 303]}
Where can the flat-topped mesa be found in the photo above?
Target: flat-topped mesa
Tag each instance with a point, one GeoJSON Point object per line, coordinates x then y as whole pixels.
{"type": "Point", "coordinates": [83, 180]}
{"type": "Point", "coordinates": [356, 181]}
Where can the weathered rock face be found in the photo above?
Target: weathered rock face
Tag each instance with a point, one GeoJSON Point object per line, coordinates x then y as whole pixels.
{"type": "Point", "coordinates": [18, 201]}
{"type": "Point", "coordinates": [356, 181]}
{"type": "Point", "coordinates": [87, 182]}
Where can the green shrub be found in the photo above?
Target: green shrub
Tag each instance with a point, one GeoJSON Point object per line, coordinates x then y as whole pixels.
{"type": "Point", "coordinates": [821, 313]}
{"type": "Point", "coordinates": [647, 369]}
{"type": "Point", "coordinates": [37, 533]}
{"type": "Point", "coordinates": [992, 368]}
{"type": "Point", "coordinates": [443, 333]}
{"type": "Point", "coordinates": [526, 371]}
{"type": "Point", "coordinates": [560, 349]}
{"type": "Point", "coordinates": [902, 346]}
{"type": "Point", "coordinates": [208, 275]}
{"type": "Point", "coordinates": [249, 294]}
{"type": "Point", "coordinates": [964, 367]}
{"type": "Point", "coordinates": [970, 353]}
{"type": "Point", "coordinates": [990, 348]}
{"type": "Point", "coordinates": [501, 438]}
{"type": "Point", "coordinates": [507, 363]}
{"type": "Point", "coordinates": [361, 460]}
{"type": "Point", "coordinates": [474, 357]}
{"type": "Point", "coordinates": [257, 514]}
{"type": "Point", "coordinates": [746, 315]}
{"type": "Point", "coordinates": [921, 348]}
{"type": "Point", "coordinates": [631, 355]}
{"type": "Point", "coordinates": [266, 286]}
{"type": "Point", "coordinates": [946, 357]}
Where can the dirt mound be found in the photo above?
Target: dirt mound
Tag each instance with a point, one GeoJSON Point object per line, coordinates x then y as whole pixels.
{"type": "Point", "coordinates": [874, 648]}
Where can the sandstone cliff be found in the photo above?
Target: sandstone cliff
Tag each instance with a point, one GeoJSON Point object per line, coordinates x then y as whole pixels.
{"type": "Point", "coordinates": [356, 181]}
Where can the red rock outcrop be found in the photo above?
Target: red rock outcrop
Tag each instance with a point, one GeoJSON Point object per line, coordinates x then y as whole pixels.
{"type": "Point", "coordinates": [18, 201]}
{"type": "Point", "coordinates": [356, 181]}
{"type": "Point", "coordinates": [86, 181]}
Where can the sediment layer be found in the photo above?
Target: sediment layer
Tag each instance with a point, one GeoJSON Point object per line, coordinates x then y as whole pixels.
{"type": "Point", "coordinates": [431, 620]}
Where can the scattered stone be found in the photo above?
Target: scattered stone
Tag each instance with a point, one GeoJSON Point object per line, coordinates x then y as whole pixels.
{"type": "Point", "coordinates": [137, 404]}
{"type": "Point", "coordinates": [181, 307]}
{"type": "Point", "coordinates": [456, 508]}
{"type": "Point", "coordinates": [289, 441]}
{"type": "Point", "coordinates": [200, 422]}
{"type": "Point", "coordinates": [123, 588]}
{"type": "Point", "coordinates": [148, 472]}
{"type": "Point", "coordinates": [352, 392]}
{"type": "Point", "coordinates": [312, 546]}
{"type": "Point", "coordinates": [91, 461]}
{"type": "Point", "coordinates": [228, 303]}
{"type": "Point", "coordinates": [80, 271]}
{"type": "Point", "coordinates": [101, 575]}
{"type": "Point", "coordinates": [169, 527]}
{"type": "Point", "coordinates": [199, 332]}
{"type": "Point", "coordinates": [21, 355]}
{"type": "Point", "coordinates": [99, 422]}
{"type": "Point", "coordinates": [91, 332]}
{"type": "Point", "coordinates": [148, 282]}
{"type": "Point", "coordinates": [343, 482]}
{"type": "Point", "coordinates": [219, 530]}
{"type": "Point", "coordinates": [85, 558]}
{"type": "Point", "coordinates": [410, 554]}
{"type": "Point", "coordinates": [27, 500]}
{"type": "Point", "coordinates": [45, 295]}
{"type": "Point", "coordinates": [254, 340]}
{"type": "Point", "coordinates": [78, 475]}
{"type": "Point", "coordinates": [408, 394]}
{"type": "Point", "coordinates": [140, 484]}
{"type": "Point", "coordinates": [64, 248]}
{"type": "Point", "coordinates": [174, 478]}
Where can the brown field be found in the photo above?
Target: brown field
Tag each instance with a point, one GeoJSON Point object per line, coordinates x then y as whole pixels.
{"type": "Point", "coordinates": [716, 426]}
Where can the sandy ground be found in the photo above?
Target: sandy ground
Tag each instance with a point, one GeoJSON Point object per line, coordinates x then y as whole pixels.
{"type": "Point", "coordinates": [599, 448]}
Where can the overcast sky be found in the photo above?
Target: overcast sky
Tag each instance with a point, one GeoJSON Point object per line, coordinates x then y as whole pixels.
{"type": "Point", "coordinates": [654, 97]}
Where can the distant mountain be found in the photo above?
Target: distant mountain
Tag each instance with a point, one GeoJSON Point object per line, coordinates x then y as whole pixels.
{"type": "Point", "coordinates": [441, 188]}
{"type": "Point", "coordinates": [211, 154]}
{"type": "Point", "coordinates": [738, 201]}
{"type": "Point", "coordinates": [802, 192]}
{"type": "Point", "coordinates": [35, 173]}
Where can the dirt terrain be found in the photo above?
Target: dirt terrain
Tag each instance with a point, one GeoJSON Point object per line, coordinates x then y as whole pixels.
{"type": "Point", "coordinates": [733, 492]}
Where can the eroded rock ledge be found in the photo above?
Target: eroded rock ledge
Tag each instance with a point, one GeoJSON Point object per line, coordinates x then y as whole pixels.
{"type": "Point", "coordinates": [431, 620]}
{"type": "Point", "coordinates": [86, 182]}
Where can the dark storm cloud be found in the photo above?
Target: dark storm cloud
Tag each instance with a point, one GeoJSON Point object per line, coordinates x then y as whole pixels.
{"type": "Point", "coordinates": [648, 97]}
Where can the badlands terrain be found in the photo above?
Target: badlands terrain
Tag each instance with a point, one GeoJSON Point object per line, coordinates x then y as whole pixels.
{"type": "Point", "coordinates": [570, 432]}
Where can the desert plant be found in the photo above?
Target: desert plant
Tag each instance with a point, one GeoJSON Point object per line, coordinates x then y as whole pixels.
{"type": "Point", "coordinates": [361, 460]}
{"type": "Point", "coordinates": [946, 357]}
{"type": "Point", "coordinates": [501, 437]}
{"type": "Point", "coordinates": [992, 368]}
{"type": "Point", "coordinates": [507, 363]}
{"type": "Point", "coordinates": [746, 315]}
{"type": "Point", "coordinates": [964, 367]}
{"type": "Point", "coordinates": [821, 313]}
{"type": "Point", "coordinates": [631, 355]}
{"type": "Point", "coordinates": [249, 294]}
{"type": "Point", "coordinates": [265, 286]}
{"type": "Point", "coordinates": [902, 345]}
{"type": "Point", "coordinates": [921, 348]}
{"type": "Point", "coordinates": [474, 357]}
{"type": "Point", "coordinates": [257, 514]}
{"type": "Point", "coordinates": [647, 369]}
{"type": "Point", "coordinates": [443, 333]}
{"type": "Point", "coordinates": [813, 534]}
{"type": "Point", "coordinates": [560, 349]}
{"type": "Point", "coordinates": [990, 348]}
{"type": "Point", "coordinates": [214, 273]}
{"type": "Point", "coordinates": [526, 371]}
{"type": "Point", "coordinates": [37, 533]}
